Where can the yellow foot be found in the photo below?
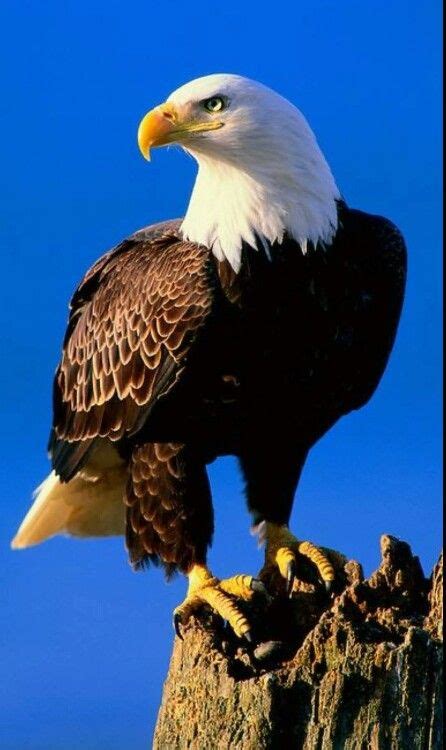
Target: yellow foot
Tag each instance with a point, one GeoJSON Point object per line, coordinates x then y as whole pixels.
{"type": "Point", "coordinates": [282, 550]}
{"type": "Point", "coordinates": [221, 596]}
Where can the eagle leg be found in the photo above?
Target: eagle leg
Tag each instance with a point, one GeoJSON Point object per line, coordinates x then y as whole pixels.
{"type": "Point", "coordinates": [283, 552]}
{"type": "Point", "coordinates": [220, 596]}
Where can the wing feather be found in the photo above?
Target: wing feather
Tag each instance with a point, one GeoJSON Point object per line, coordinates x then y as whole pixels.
{"type": "Point", "coordinates": [133, 319]}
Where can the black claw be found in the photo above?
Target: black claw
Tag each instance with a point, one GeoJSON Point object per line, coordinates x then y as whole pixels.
{"type": "Point", "coordinates": [259, 587]}
{"type": "Point", "coordinates": [329, 587]}
{"type": "Point", "coordinates": [248, 636]}
{"type": "Point", "coordinates": [290, 578]}
{"type": "Point", "coordinates": [176, 625]}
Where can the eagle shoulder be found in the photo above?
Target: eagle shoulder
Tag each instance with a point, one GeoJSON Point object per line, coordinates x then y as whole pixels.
{"type": "Point", "coordinates": [133, 320]}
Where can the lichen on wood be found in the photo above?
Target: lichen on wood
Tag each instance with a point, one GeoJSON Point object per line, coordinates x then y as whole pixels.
{"type": "Point", "coordinates": [360, 671]}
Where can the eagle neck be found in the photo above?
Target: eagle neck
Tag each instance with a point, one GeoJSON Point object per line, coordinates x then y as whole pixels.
{"type": "Point", "coordinates": [233, 204]}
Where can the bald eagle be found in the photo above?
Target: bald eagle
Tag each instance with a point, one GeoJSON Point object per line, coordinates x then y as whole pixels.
{"type": "Point", "coordinates": [249, 327]}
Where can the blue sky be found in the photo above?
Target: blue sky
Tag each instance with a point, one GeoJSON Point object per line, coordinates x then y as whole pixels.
{"type": "Point", "coordinates": [84, 641]}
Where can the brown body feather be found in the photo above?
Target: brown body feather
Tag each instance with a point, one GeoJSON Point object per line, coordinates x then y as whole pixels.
{"type": "Point", "coordinates": [149, 300]}
{"type": "Point", "coordinates": [172, 359]}
{"type": "Point", "coordinates": [169, 506]}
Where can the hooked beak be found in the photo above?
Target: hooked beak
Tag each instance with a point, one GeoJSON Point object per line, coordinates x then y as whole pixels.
{"type": "Point", "coordinates": [164, 125]}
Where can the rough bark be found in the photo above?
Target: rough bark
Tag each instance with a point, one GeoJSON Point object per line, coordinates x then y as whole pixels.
{"type": "Point", "coordinates": [360, 671]}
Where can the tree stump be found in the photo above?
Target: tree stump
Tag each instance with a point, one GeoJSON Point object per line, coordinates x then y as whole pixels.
{"type": "Point", "coordinates": [359, 671]}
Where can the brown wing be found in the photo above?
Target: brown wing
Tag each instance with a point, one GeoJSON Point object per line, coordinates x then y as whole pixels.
{"type": "Point", "coordinates": [133, 319]}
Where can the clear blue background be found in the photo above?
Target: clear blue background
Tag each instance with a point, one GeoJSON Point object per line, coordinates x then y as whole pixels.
{"type": "Point", "coordinates": [85, 642]}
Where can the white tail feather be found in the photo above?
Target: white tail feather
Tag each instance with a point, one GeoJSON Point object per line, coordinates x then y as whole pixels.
{"type": "Point", "coordinates": [82, 507]}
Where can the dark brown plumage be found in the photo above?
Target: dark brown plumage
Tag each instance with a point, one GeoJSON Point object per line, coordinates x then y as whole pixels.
{"type": "Point", "coordinates": [169, 505]}
{"type": "Point", "coordinates": [176, 359]}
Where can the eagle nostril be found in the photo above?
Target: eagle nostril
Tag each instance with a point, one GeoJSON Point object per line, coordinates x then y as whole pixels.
{"type": "Point", "coordinates": [168, 115]}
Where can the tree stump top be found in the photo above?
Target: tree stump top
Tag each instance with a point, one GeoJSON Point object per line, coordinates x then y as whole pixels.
{"type": "Point", "coordinates": [360, 671]}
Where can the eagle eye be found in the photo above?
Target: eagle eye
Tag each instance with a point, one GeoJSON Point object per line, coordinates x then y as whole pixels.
{"type": "Point", "coordinates": [214, 104]}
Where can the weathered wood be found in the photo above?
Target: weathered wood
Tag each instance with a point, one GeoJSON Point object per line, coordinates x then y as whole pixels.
{"type": "Point", "coordinates": [360, 672]}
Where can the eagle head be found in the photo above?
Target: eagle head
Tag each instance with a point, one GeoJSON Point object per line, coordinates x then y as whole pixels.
{"type": "Point", "coordinates": [261, 172]}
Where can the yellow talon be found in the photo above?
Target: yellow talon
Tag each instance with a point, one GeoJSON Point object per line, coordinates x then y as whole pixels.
{"type": "Point", "coordinates": [239, 586]}
{"type": "Point", "coordinates": [284, 557]}
{"type": "Point", "coordinates": [219, 595]}
{"type": "Point", "coordinates": [282, 548]}
{"type": "Point", "coordinates": [323, 565]}
{"type": "Point", "coordinates": [226, 608]}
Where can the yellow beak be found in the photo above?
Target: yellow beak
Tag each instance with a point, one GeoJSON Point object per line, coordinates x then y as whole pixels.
{"type": "Point", "coordinates": [156, 128]}
{"type": "Point", "coordinates": [163, 125]}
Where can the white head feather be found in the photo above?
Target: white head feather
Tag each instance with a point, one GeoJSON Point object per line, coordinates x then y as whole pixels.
{"type": "Point", "coordinates": [260, 176]}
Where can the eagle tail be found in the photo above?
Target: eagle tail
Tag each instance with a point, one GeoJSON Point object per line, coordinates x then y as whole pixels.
{"type": "Point", "coordinates": [82, 507]}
